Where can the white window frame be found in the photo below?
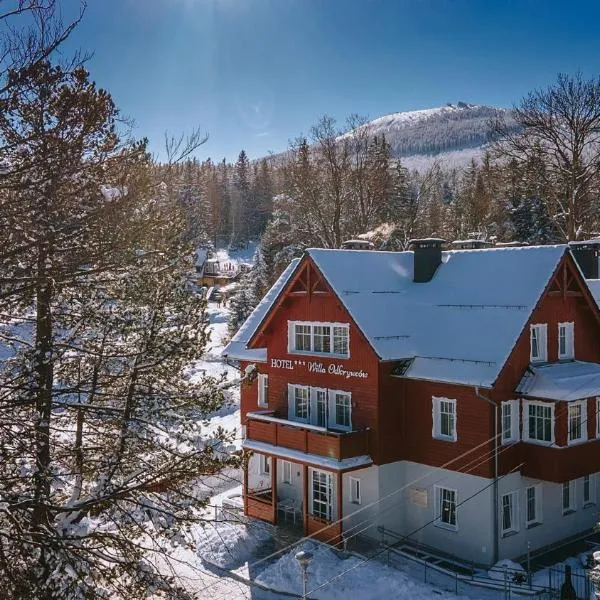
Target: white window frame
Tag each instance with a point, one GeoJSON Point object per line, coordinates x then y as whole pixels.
{"type": "Point", "coordinates": [525, 436]}
{"type": "Point", "coordinates": [354, 495]}
{"type": "Point", "coordinates": [569, 331]}
{"type": "Point", "coordinates": [591, 500]}
{"type": "Point", "coordinates": [572, 501]}
{"type": "Point", "coordinates": [286, 472]}
{"type": "Point", "coordinates": [572, 407]}
{"type": "Point", "coordinates": [330, 500]}
{"type": "Point", "coordinates": [332, 410]}
{"type": "Point", "coordinates": [264, 464]}
{"type": "Point", "coordinates": [537, 500]}
{"type": "Point", "coordinates": [312, 325]}
{"type": "Point", "coordinates": [513, 527]}
{"type": "Point", "coordinates": [513, 407]}
{"type": "Point", "coordinates": [263, 389]}
{"type": "Point", "coordinates": [438, 492]}
{"type": "Point", "coordinates": [436, 415]}
{"type": "Point", "coordinates": [598, 416]}
{"type": "Point", "coordinates": [541, 333]}
{"type": "Point", "coordinates": [292, 416]}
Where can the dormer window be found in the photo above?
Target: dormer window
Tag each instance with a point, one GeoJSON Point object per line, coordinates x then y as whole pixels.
{"type": "Point", "coordinates": [539, 343]}
{"type": "Point", "coordinates": [566, 339]}
{"type": "Point", "coordinates": [319, 338]}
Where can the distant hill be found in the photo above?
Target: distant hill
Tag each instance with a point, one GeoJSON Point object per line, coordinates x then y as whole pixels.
{"type": "Point", "coordinates": [453, 134]}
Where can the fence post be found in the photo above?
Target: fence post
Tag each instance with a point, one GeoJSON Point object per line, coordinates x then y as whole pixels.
{"type": "Point", "coordinates": [505, 583]}
{"type": "Point", "coordinates": [456, 583]}
{"type": "Point", "coordinates": [425, 565]}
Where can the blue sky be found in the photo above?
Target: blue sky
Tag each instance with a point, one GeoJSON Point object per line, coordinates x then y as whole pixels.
{"type": "Point", "coordinates": [256, 73]}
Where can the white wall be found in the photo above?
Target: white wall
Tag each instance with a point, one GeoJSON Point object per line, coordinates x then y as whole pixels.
{"type": "Point", "coordinates": [293, 490]}
{"type": "Point", "coordinates": [361, 518]}
{"type": "Point", "coordinates": [555, 525]}
{"type": "Point", "coordinates": [413, 509]}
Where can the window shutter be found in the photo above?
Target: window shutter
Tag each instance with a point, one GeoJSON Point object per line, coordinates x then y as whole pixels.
{"type": "Point", "coordinates": [290, 402]}
{"type": "Point", "coordinates": [570, 340]}
{"type": "Point", "coordinates": [261, 389]}
{"type": "Point", "coordinates": [290, 336]}
{"type": "Point", "coordinates": [544, 342]}
{"type": "Point", "coordinates": [331, 411]}
{"type": "Point", "coordinates": [435, 415]}
{"type": "Point", "coordinates": [312, 407]}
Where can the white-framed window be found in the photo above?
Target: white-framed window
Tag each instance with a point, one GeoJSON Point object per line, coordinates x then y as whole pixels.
{"type": "Point", "coordinates": [263, 389]}
{"type": "Point", "coordinates": [598, 417]}
{"type": "Point", "coordinates": [538, 422]}
{"type": "Point", "coordinates": [264, 464]}
{"type": "Point", "coordinates": [319, 338]}
{"type": "Point", "coordinates": [539, 343]}
{"type": "Point", "coordinates": [340, 410]}
{"type": "Point", "coordinates": [298, 403]}
{"type": "Point", "coordinates": [589, 489]}
{"type": "Point", "coordinates": [444, 419]}
{"type": "Point", "coordinates": [510, 512]}
{"type": "Point", "coordinates": [354, 483]}
{"type": "Point", "coordinates": [286, 471]}
{"type": "Point", "coordinates": [566, 341]}
{"type": "Point", "coordinates": [320, 406]}
{"type": "Point", "coordinates": [510, 421]}
{"type": "Point", "coordinates": [577, 421]}
{"type": "Point", "coordinates": [321, 494]}
{"type": "Point", "coordinates": [446, 501]}
{"type": "Point", "coordinates": [533, 504]}
{"type": "Point", "coordinates": [568, 496]}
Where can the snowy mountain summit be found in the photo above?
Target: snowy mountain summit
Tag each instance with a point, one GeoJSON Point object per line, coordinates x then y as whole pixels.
{"type": "Point", "coordinates": [453, 134]}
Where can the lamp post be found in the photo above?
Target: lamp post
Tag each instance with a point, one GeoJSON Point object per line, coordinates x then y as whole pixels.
{"type": "Point", "coordinates": [304, 559]}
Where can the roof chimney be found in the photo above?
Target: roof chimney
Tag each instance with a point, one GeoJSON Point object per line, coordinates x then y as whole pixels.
{"type": "Point", "coordinates": [587, 254]}
{"type": "Point", "coordinates": [427, 257]}
{"type": "Point", "coordinates": [470, 244]}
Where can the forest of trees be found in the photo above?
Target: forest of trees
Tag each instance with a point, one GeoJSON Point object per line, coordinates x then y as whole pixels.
{"type": "Point", "coordinates": [538, 182]}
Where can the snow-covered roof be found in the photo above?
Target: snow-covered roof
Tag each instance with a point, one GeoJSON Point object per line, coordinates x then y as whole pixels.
{"type": "Point", "coordinates": [568, 381]}
{"type": "Point", "coordinates": [346, 464]}
{"type": "Point", "coordinates": [461, 326]}
{"type": "Point", "coordinates": [594, 285]}
{"type": "Point", "coordinates": [236, 348]}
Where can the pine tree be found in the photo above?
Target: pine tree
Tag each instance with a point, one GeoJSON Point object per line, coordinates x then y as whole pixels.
{"type": "Point", "coordinates": [101, 329]}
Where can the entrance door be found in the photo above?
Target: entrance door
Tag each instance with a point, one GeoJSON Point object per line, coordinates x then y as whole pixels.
{"type": "Point", "coordinates": [322, 495]}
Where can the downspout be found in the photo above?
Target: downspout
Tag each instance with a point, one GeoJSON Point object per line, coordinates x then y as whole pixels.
{"type": "Point", "coordinates": [496, 471]}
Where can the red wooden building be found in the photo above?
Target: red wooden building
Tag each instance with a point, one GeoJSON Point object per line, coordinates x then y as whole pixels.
{"type": "Point", "coordinates": [449, 396]}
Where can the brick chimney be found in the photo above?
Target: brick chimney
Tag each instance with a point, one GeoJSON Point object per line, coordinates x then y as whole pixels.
{"type": "Point", "coordinates": [427, 258]}
{"type": "Point", "coordinates": [587, 255]}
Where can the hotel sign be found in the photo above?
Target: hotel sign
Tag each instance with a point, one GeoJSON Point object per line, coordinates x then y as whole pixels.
{"type": "Point", "coordinates": [318, 367]}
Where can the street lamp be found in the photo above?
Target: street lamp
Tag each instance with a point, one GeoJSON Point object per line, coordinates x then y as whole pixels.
{"type": "Point", "coordinates": [304, 559]}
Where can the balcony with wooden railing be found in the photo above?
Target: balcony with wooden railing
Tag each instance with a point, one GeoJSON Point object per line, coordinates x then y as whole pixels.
{"type": "Point", "coordinates": [268, 428]}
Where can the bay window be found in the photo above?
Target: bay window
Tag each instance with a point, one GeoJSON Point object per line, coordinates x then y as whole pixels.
{"type": "Point", "coordinates": [538, 421]}
{"type": "Point", "coordinates": [577, 421]}
{"type": "Point", "coordinates": [510, 421]}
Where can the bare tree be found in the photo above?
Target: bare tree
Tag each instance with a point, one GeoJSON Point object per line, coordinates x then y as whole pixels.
{"type": "Point", "coordinates": [560, 125]}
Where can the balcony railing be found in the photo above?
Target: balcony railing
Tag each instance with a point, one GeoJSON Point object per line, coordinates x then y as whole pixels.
{"type": "Point", "coordinates": [266, 427]}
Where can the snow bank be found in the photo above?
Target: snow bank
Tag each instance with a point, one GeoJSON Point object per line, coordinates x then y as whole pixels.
{"type": "Point", "coordinates": [512, 569]}
{"type": "Point", "coordinates": [230, 545]}
{"type": "Point", "coordinates": [371, 580]}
